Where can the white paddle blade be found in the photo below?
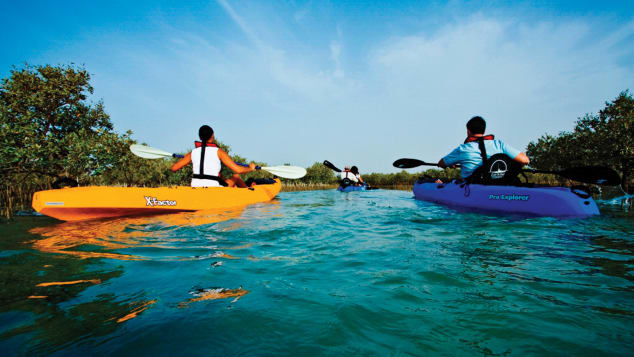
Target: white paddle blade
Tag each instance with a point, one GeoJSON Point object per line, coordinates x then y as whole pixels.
{"type": "Point", "coordinates": [147, 152]}
{"type": "Point", "coordinates": [289, 172]}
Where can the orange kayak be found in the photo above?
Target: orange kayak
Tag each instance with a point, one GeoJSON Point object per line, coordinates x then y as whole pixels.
{"type": "Point", "coordinates": [91, 202]}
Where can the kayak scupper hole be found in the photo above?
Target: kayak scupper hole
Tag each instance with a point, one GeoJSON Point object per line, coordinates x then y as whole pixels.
{"type": "Point", "coordinates": [586, 202]}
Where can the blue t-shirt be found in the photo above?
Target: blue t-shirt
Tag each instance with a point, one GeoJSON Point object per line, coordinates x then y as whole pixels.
{"type": "Point", "coordinates": [468, 155]}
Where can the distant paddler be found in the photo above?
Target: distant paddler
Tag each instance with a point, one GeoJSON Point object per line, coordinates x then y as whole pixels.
{"type": "Point", "coordinates": [347, 177]}
{"type": "Point", "coordinates": [350, 175]}
{"type": "Point", "coordinates": [206, 161]}
{"type": "Point", "coordinates": [355, 172]}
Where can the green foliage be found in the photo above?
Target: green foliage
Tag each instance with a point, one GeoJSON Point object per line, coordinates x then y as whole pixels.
{"type": "Point", "coordinates": [131, 170]}
{"type": "Point", "coordinates": [48, 128]}
{"type": "Point", "coordinates": [604, 139]}
{"type": "Point", "coordinates": [318, 173]}
{"type": "Point", "coordinates": [406, 179]}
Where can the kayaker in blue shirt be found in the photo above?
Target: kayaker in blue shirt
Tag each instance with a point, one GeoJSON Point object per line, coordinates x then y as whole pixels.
{"type": "Point", "coordinates": [469, 156]}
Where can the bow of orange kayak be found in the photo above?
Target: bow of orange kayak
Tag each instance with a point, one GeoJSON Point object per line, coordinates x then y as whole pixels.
{"type": "Point", "coordinates": [92, 202]}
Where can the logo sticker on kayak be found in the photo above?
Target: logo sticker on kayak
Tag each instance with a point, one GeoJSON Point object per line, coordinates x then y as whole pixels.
{"type": "Point", "coordinates": [153, 202]}
{"type": "Point", "coordinates": [509, 197]}
{"type": "Point", "coordinates": [498, 170]}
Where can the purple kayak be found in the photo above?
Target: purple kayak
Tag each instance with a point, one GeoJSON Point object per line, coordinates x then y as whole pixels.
{"type": "Point", "coordinates": [532, 201]}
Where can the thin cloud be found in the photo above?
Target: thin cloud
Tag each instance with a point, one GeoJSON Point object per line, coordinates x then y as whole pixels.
{"type": "Point", "coordinates": [408, 95]}
{"type": "Point", "coordinates": [240, 22]}
{"type": "Point", "coordinates": [529, 74]}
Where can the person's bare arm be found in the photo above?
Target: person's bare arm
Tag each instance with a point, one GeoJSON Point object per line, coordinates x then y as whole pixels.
{"type": "Point", "coordinates": [224, 157]}
{"type": "Point", "coordinates": [522, 159]}
{"type": "Point", "coordinates": [182, 162]}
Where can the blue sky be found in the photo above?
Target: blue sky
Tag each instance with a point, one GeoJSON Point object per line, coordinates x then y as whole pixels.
{"type": "Point", "coordinates": [357, 82]}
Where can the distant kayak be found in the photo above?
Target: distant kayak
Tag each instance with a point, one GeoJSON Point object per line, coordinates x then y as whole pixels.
{"type": "Point", "coordinates": [91, 202]}
{"type": "Point", "coordinates": [533, 201]}
{"type": "Point", "coordinates": [351, 188]}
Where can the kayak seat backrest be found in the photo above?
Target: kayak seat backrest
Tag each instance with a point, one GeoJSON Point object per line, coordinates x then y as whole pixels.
{"type": "Point", "coordinates": [62, 182]}
{"type": "Point", "coordinates": [345, 182]}
{"type": "Point", "coordinates": [260, 181]}
{"type": "Point", "coordinates": [264, 181]}
{"type": "Point", "coordinates": [499, 169]}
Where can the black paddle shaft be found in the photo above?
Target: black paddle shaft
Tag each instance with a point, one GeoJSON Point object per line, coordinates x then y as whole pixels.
{"type": "Point", "coordinates": [596, 175]}
{"type": "Point", "coordinates": [329, 165]}
{"type": "Point", "coordinates": [411, 163]}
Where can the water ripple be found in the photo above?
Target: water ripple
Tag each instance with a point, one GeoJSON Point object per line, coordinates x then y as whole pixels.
{"type": "Point", "coordinates": [323, 273]}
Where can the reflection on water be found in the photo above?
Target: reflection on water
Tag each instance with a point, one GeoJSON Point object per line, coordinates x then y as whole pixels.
{"type": "Point", "coordinates": [140, 307]}
{"type": "Point", "coordinates": [40, 283]}
{"type": "Point", "coordinates": [92, 281]}
{"type": "Point", "coordinates": [374, 273]}
{"type": "Point", "coordinates": [122, 233]}
{"type": "Point", "coordinates": [55, 327]}
{"type": "Point", "coordinates": [214, 294]}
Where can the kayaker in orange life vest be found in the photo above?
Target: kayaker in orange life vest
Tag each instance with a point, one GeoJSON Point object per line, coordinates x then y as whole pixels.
{"type": "Point", "coordinates": [206, 159]}
{"type": "Point", "coordinates": [469, 156]}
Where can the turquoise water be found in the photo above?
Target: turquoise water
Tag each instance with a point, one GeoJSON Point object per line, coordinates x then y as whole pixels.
{"type": "Point", "coordinates": [320, 273]}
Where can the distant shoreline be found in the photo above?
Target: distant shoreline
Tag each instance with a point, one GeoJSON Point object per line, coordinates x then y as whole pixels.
{"type": "Point", "coordinates": [317, 187]}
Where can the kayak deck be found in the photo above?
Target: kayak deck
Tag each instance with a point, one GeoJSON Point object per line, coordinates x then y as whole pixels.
{"type": "Point", "coordinates": [533, 201]}
{"type": "Point", "coordinates": [351, 188]}
{"type": "Point", "coordinates": [92, 202]}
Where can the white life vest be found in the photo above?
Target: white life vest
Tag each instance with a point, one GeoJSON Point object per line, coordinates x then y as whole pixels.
{"type": "Point", "coordinates": [349, 175]}
{"type": "Point", "coordinates": [211, 166]}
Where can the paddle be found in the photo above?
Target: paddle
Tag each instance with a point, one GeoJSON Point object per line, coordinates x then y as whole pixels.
{"type": "Point", "coordinates": [329, 165]}
{"type": "Point", "coordinates": [410, 163]}
{"type": "Point", "coordinates": [289, 172]}
{"type": "Point", "coordinates": [597, 175]}
{"type": "Point", "coordinates": [147, 152]}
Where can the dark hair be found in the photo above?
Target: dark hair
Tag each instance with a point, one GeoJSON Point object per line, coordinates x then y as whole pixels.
{"type": "Point", "coordinates": [476, 125]}
{"type": "Point", "coordinates": [354, 170]}
{"type": "Point", "coordinates": [205, 132]}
